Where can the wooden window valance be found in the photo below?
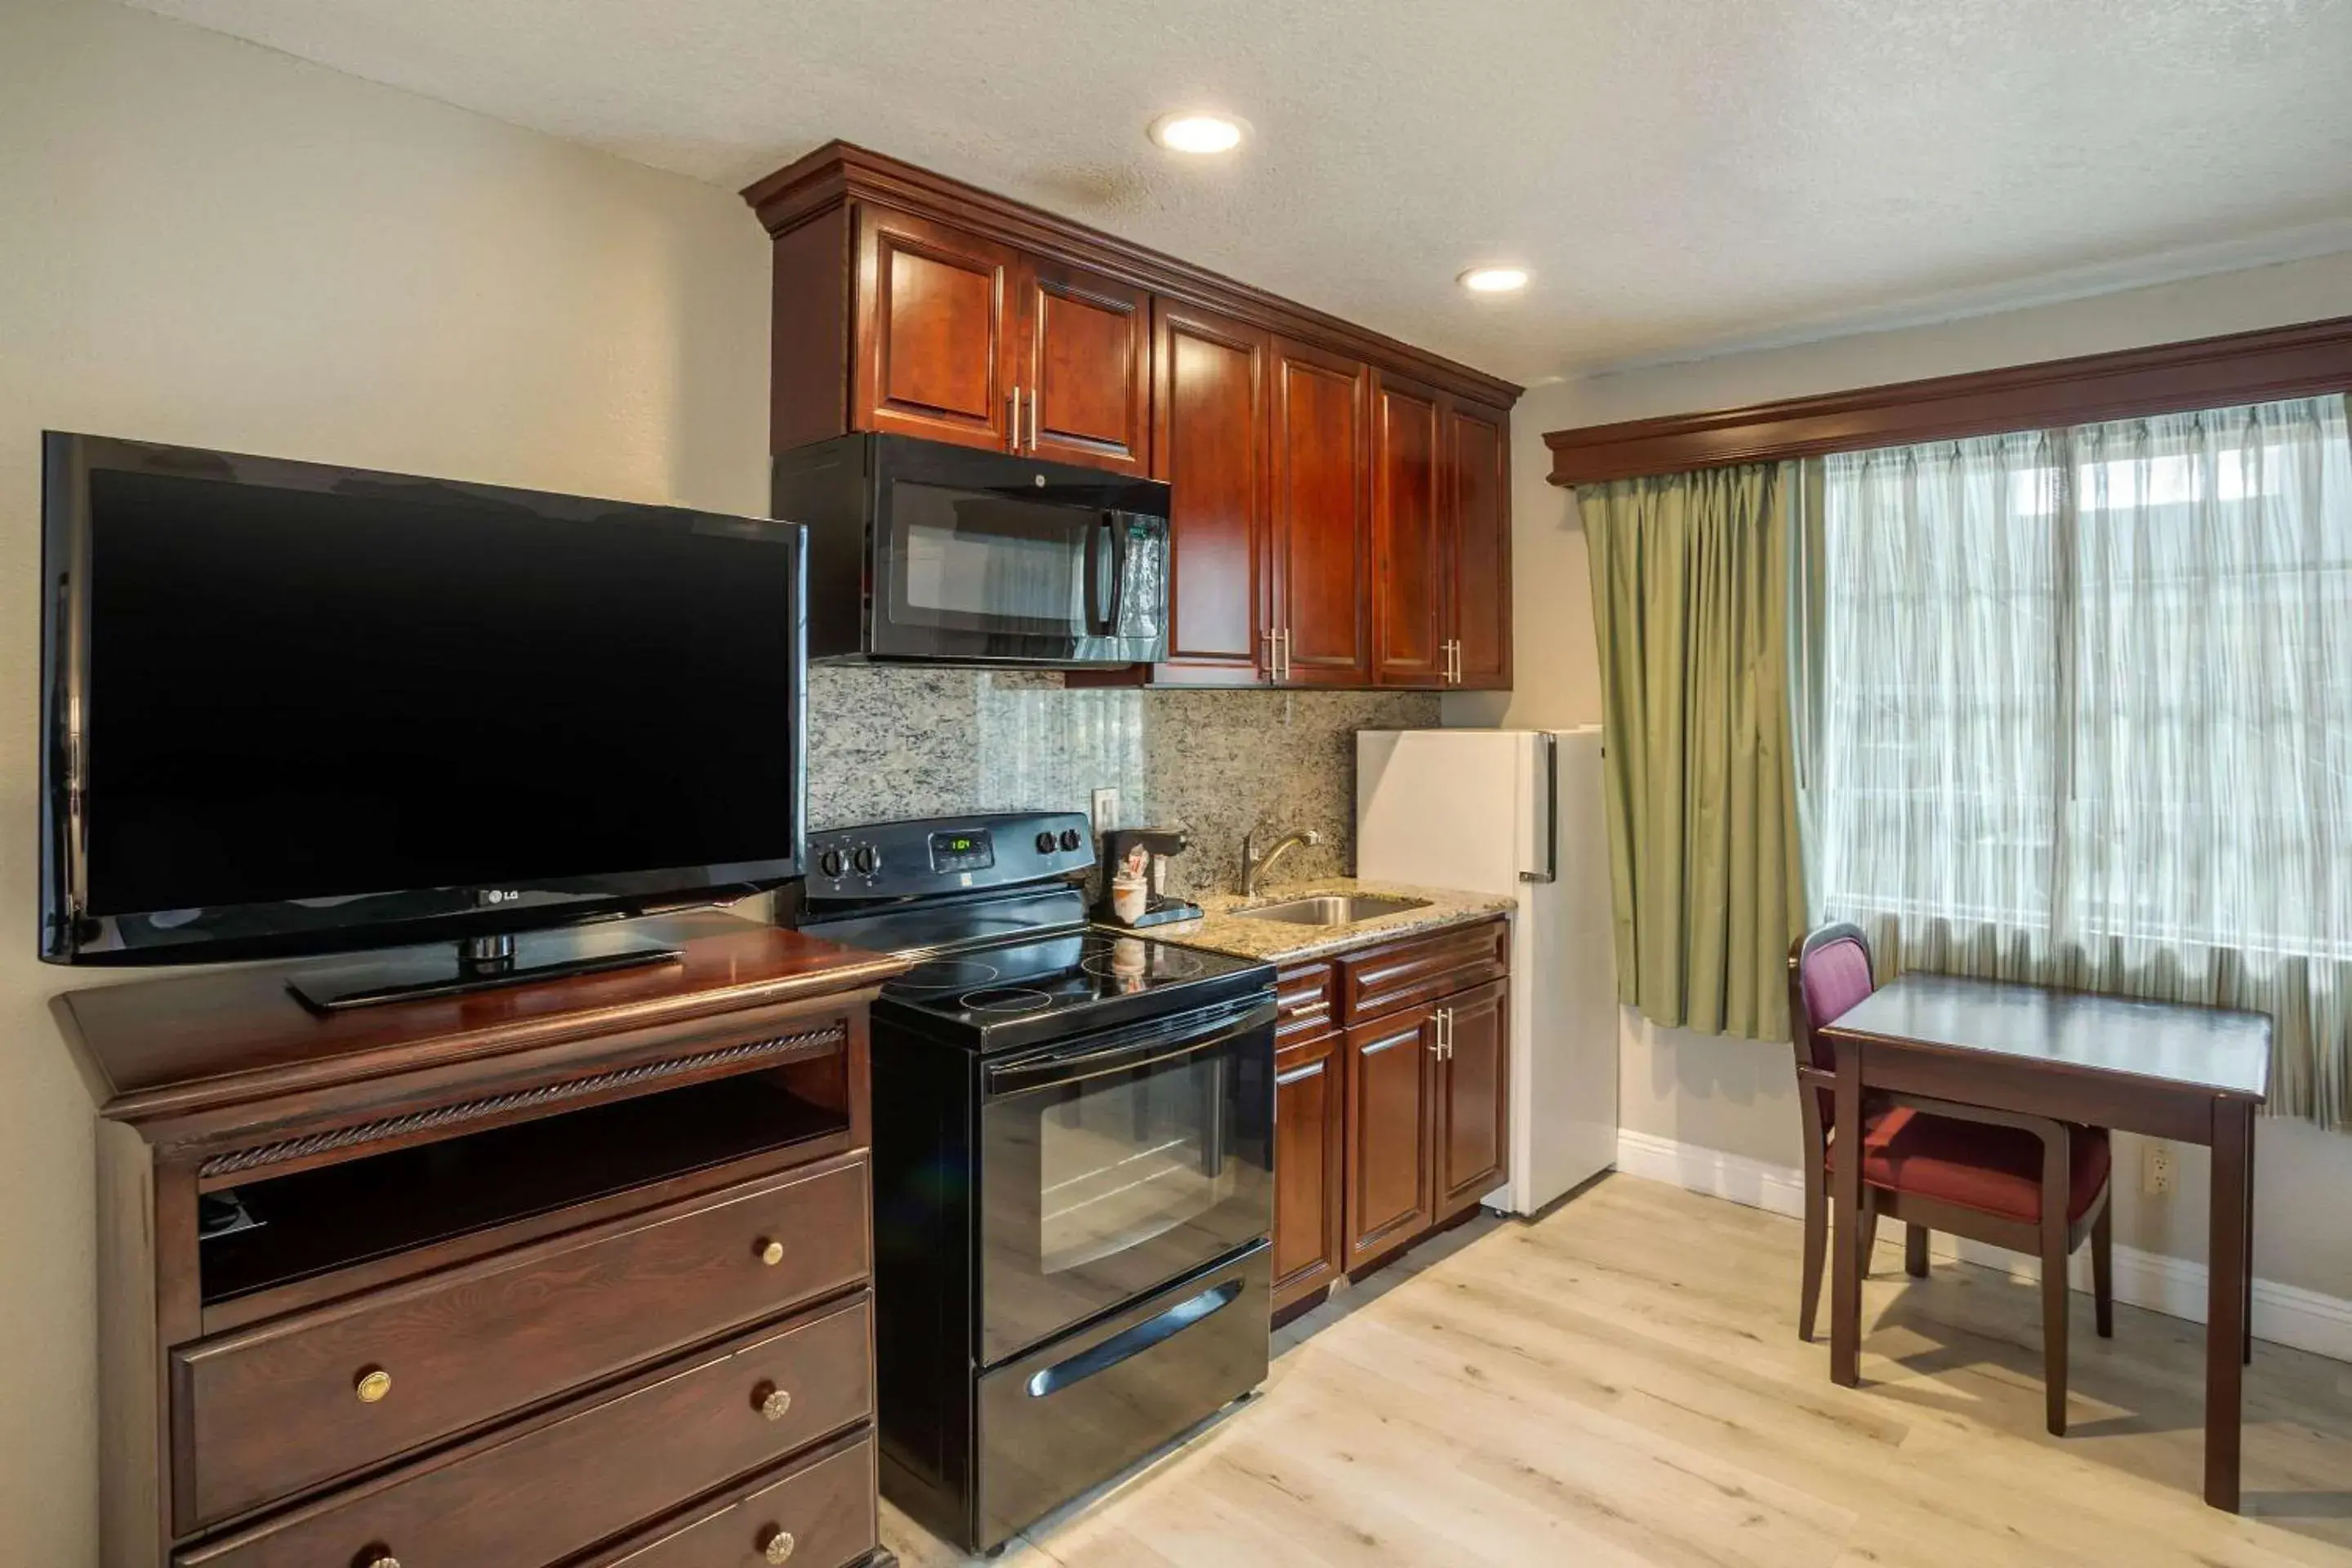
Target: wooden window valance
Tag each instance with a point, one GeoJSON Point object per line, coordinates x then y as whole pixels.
{"type": "Point", "coordinates": [2303, 361]}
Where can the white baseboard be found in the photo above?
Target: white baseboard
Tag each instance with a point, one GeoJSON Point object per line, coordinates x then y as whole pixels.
{"type": "Point", "coordinates": [2283, 1314]}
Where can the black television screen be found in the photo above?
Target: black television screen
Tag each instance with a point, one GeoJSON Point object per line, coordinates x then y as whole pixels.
{"type": "Point", "coordinates": [297, 707]}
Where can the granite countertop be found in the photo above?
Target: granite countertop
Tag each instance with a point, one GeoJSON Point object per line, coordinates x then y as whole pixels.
{"type": "Point", "coordinates": [1279, 941]}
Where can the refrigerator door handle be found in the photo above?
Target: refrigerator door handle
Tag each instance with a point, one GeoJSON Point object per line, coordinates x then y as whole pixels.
{"type": "Point", "coordinates": [1550, 872]}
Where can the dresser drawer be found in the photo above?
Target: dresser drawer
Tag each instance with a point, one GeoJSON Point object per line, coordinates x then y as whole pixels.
{"type": "Point", "coordinates": [559, 1488]}
{"type": "Point", "coordinates": [1302, 1000]}
{"type": "Point", "coordinates": [825, 1504]}
{"type": "Point", "coordinates": [270, 1410]}
{"type": "Point", "coordinates": [1421, 969]}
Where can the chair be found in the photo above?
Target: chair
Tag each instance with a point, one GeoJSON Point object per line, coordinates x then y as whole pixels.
{"type": "Point", "coordinates": [2025, 1183]}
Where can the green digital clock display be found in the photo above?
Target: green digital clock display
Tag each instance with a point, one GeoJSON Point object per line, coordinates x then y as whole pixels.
{"type": "Point", "coordinates": [961, 852]}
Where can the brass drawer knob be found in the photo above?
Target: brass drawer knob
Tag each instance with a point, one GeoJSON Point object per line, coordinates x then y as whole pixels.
{"type": "Point", "coordinates": [776, 1543]}
{"type": "Point", "coordinates": [772, 1253]}
{"type": "Point", "coordinates": [373, 1385]}
{"type": "Point", "coordinates": [774, 1403]}
{"type": "Point", "coordinates": [378, 1557]}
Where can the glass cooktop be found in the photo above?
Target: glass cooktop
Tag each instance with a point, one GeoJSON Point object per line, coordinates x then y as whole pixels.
{"type": "Point", "coordinates": [1049, 987]}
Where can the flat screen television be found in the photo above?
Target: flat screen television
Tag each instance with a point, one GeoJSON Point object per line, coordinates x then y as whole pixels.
{"type": "Point", "coordinates": [290, 709]}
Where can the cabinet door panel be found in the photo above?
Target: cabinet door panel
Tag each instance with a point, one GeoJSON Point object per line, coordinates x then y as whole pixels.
{"type": "Point", "coordinates": [1309, 1162]}
{"type": "Point", "coordinates": [934, 350]}
{"type": "Point", "coordinates": [1479, 542]}
{"type": "Point", "coordinates": [1408, 535]}
{"type": "Point", "coordinates": [1322, 569]}
{"type": "Point", "coordinates": [1210, 445]}
{"type": "Point", "coordinates": [1389, 1085]}
{"type": "Point", "coordinates": [1474, 1139]}
{"type": "Point", "coordinates": [1089, 368]}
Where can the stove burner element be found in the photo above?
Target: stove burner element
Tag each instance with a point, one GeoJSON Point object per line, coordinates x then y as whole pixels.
{"type": "Point", "coordinates": [946, 974]}
{"type": "Point", "coordinates": [1004, 1001]}
{"type": "Point", "coordinates": [1109, 962]}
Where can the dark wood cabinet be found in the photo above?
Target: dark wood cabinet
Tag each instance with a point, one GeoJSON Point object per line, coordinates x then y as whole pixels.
{"type": "Point", "coordinates": [1309, 1165]}
{"type": "Point", "coordinates": [1409, 535]}
{"type": "Point", "coordinates": [1477, 544]}
{"type": "Point", "coordinates": [532, 1270]}
{"type": "Point", "coordinates": [1322, 567]}
{"type": "Point", "coordinates": [938, 325]}
{"type": "Point", "coordinates": [1211, 433]}
{"type": "Point", "coordinates": [1086, 372]}
{"type": "Point", "coordinates": [1389, 1063]}
{"type": "Point", "coordinates": [1340, 500]}
{"type": "Point", "coordinates": [1392, 1100]}
{"type": "Point", "coordinates": [1474, 1097]}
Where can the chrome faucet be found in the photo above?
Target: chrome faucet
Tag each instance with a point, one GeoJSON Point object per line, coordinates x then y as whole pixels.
{"type": "Point", "coordinates": [1255, 866]}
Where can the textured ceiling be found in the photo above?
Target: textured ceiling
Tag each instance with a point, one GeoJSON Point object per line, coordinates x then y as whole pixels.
{"type": "Point", "coordinates": [1682, 175]}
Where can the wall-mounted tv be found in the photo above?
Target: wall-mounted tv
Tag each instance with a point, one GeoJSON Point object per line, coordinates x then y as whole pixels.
{"type": "Point", "coordinates": [291, 708]}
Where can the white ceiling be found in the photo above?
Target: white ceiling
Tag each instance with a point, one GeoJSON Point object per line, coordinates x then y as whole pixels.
{"type": "Point", "coordinates": [1682, 176]}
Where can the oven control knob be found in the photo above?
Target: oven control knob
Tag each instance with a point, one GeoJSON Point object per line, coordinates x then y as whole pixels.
{"type": "Point", "coordinates": [1069, 838]}
{"type": "Point", "coordinates": [1044, 844]}
{"type": "Point", "coordinates": [830, 862]}
{"type": "Point", "coordinates": [867, 861]}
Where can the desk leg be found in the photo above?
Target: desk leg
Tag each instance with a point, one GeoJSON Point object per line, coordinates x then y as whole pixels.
{"type": "Point", "coordinates": [1845, 1289]}
{"type": "Point", "coordinates": [2225, 1301]}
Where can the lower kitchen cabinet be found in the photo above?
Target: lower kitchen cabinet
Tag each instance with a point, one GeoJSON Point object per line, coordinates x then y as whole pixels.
{"type": "Point", "coordinates": [1388, 1102]}
{"type": "Point", "coordinates": [1474, 1097]}
{"type": "Point", "coordinates": [1398, 1120]}
{"type": "Point", "coordinates": [1310, 1131]}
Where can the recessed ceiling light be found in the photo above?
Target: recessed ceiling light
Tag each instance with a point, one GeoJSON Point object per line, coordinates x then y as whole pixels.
{"type": "Point", "coordinates": [1494, 279]}
{"type": "Point", "coordinates": [1193, 131]}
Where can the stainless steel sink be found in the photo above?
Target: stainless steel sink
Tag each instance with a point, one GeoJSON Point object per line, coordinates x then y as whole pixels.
{"type": "Point", "coordinates": [1330, 910]}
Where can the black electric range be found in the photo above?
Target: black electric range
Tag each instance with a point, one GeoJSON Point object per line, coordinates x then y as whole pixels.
{"type": "Point", "coordinates": [1072, 1168]}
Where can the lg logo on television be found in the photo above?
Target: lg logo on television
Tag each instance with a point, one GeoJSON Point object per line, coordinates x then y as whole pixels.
{"type": "Point", "coordinates": [501, 895]}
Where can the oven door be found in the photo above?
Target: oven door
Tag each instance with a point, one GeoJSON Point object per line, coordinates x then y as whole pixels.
{"type": "Point", "coordinates": [1114, 1164]}
{"type": "Point", "coordinates": [989, 557]}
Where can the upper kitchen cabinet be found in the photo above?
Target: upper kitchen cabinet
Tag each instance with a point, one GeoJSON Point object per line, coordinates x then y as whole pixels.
{"type": "Point", "coordinates": [961, 339]}
{"type": "Point", "coordinates": [1340, 500]}
{"type": "Point", "coordinates": [1322, 558]}
{"type": "Point", "coordinates": [1477, 544]}
{"type": "Point", "coordinates": [1211, 435]}
{"type": "Point", "coordinates": [1409, 626]}
{"type": "Point", "coordinates": [1085, 379]}
{"type": "Point", "coordinates": [938, 316]}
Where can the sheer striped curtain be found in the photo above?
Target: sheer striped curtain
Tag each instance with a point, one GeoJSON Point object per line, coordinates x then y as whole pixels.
{"type": "Point", "coordinates": [2075, 707]}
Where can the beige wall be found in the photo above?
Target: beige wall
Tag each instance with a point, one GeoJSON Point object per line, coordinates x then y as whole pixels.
{"type": "Point", "coordinates": [210, 243]}
{"type": "Point", "coordinates": [1735, 1095]}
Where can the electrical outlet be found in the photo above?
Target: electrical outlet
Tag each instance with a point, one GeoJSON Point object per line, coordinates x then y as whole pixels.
{"type": "Point", "coordinates": [1106, 809]}
{"type": "Point", "coordinates": [2156, 1172]}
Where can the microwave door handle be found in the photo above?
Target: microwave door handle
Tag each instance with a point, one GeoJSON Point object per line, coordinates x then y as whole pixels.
{"type": "Point", "coordinates": [1097, 626]}
{"type": "Point", "coordinates": [1117, 607]}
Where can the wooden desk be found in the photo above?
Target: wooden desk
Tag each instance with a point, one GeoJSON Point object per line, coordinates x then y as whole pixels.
{"type": "Point", "coordinates": [2194, 1075]}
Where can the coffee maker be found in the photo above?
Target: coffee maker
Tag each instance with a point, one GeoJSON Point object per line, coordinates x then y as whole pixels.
{"type": "Point", "coordinates": [1148, 850]}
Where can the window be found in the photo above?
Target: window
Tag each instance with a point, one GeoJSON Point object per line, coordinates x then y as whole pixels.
{"type": "Point", "coordinates": [2081, 708]}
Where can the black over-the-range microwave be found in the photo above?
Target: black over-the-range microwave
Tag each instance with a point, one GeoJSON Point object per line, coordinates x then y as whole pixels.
{"type": "Point", "coordinates": [918, 550]}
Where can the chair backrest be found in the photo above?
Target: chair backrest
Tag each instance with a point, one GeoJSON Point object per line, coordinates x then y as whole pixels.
{"type": "Point", "coordinates": [1829, 973]}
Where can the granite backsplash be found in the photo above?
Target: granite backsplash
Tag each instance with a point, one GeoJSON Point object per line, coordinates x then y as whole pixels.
{"type": "Point", "coordinates": [888, 741]}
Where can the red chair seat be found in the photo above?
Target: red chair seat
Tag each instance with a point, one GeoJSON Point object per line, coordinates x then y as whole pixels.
{"type": "Point", "coordinates": [1993, 1170]}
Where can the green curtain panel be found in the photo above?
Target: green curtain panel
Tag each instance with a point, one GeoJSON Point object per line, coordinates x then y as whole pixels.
{"type": "Point", "coordinates": [1690, 599]}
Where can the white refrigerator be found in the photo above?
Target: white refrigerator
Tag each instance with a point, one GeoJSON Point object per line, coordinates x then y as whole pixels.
{"type": "Point", "coordinates": [1517, 812]}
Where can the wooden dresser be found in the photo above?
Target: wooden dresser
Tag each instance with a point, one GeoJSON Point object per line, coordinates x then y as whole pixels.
{"type": "Point", "coordinates": [574, 1273]}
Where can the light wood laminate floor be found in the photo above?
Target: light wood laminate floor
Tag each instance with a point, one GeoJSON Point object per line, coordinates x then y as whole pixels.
{"type": "Point", "coordinates": [1619, 1385]}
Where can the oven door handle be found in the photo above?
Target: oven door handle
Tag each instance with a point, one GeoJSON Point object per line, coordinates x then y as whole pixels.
{"type": "Point", "coordinates": [1074, 1067]}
